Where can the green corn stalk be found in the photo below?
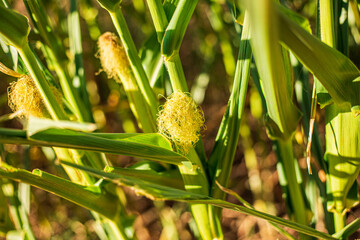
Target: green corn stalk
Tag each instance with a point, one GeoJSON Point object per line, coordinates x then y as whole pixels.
{"type": "Point", "coordinates": [195, 179]}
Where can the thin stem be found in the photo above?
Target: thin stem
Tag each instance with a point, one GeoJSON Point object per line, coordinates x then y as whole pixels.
{"type": "Point", "coordinates": [296, 197]}
{"type": "Point", "coordinates": [339, 220]}
{"type": "Point", "coordinates": [76, 48]}
{"type": "Point", "coordinates": [176, 73]}
{"type": "Point", "coordinates": [176, 29]}
{"type": "Point", "coordinates": [159, 17]}
{"type": "Point", "coordinates": [195, 180]}
{"type": "Point", "coordinates": [173, 65]}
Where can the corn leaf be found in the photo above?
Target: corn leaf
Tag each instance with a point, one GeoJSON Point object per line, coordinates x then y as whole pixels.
{"type": "Point", "coordinates": [221, 158]}
{"type": "Point", "coordinates": [334, 70]}
{"type": "Point", "coordinates": [161, 192]}
{"type": "Point", "coordinates": [91, 198]}
{"type": "Point", "coordinates": [128, 144]}
{"type": "Point", "coordinates": [171, 179]}
{"type": "Point", "coordinates": [348, 230]}
{"type": "Point", "coordinates": [342, 155]}
{"type": "Point", "coordinates": [283, 116]}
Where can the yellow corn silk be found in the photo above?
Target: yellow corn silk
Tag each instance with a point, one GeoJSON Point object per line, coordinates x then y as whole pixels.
{"type": "Point", "coordinates": [181, 120]}
{"type": "Point", "coordinates": [113, 57]}
{"type": "Point", "coordinates": [25, 99]}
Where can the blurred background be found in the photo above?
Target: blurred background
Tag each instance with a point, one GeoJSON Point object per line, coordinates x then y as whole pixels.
{"type": "Point", "coordinates": [208, 54]}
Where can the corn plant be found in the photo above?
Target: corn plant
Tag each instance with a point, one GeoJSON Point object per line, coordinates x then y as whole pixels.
{"type": "Point", "coordinates": [277, 54]}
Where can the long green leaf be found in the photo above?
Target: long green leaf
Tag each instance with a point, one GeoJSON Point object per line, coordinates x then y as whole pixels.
{"type": "Point", "coordinates": [161, 192]}
{"type": "Point", "coordinates": [334, 70]}
{"type": "Point", "coordinates": [90, 198]}
{"type": "Point", "coordinates": [171, 179]}
{"type": "Point", "coordinates": [283, 116]}
{"type": "Point", "coordinates": [129, 146]}
{"type": "Point", "coordinates": [222, 156]}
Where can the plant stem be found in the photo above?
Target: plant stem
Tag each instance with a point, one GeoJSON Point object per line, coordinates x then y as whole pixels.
{"type": "Point", "coordinates": [174, 66]}
{"type": "Point", "coordinates": [159, 17]}
{"type": "Point", "coordinates": [79, 82]}
{"type": "Point", "coordinates": [339, 219]}
{"type": "Point", "coordinates": [286, 156]}
{"type": "Point", "coordinates": [178, 83]}
{"type": "Point", "coordinates": [195, 181]}
{"type": "Point", "coordinates": [176, 73]}
{"type": "Point", "coordinates": [327, 28]}
{"type": "Point", "coordinates": [176, 28]}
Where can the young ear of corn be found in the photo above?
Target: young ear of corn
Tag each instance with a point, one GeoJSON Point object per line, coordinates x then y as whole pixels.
{"type": "Point", "coordinates": [55, 55]}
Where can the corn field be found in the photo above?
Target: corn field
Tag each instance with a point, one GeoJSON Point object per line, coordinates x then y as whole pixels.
{"type": "Point", "coordinates": [179, 119]}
